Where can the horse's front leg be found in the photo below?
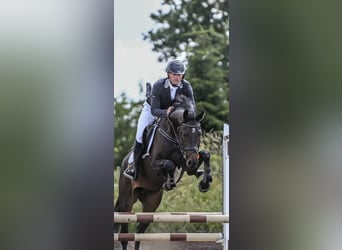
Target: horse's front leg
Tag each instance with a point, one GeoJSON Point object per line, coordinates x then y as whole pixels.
{"type": "Point", "coordinates": [204, 184]}
{"type": "Point", "coordinates": [169, 167]}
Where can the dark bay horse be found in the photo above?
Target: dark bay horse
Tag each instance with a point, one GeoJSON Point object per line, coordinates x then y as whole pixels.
{"type": "Point", "coordinates": [174, 150]}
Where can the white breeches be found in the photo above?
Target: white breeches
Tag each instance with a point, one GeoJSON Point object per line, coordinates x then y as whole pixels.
{"type": "Point", "coordinates": [145, 119]}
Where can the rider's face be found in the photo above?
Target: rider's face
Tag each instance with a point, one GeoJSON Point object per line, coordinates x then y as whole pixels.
{"type": "Point", "coordinates": [175, 79]}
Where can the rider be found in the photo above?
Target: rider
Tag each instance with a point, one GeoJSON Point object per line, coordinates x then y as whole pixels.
{"type": "Point", "coordinates": [159, 105]}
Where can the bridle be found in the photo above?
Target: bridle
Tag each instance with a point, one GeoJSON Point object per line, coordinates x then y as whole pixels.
{"type": "Point", "coordinates": [176, 140]}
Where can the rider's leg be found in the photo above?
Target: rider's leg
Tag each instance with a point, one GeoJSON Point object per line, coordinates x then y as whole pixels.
{"type": "Point", "coordinates": [133, 168]}
{"type": "Point", "coordinates": [145, 119]}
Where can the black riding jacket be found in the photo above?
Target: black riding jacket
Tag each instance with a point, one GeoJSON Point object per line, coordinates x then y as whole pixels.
{"type": "Point", "coordinates": [161, 96]}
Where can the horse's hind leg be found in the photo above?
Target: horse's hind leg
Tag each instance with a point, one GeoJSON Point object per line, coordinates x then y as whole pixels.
{"type": "Point", "coordinates": [116, 209]}
{"type": "Point", "coordinates": [120, 227]}
{"type": "Point", "coordinates": [124, 206]}
{"type": "Point", "coordinates": [125, 203]}
{"type": "Point", "coordinates": [150, 202]}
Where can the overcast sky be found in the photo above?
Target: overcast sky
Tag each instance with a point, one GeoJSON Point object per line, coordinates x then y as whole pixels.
{"type": "Point", "coordinates": [134, 60]}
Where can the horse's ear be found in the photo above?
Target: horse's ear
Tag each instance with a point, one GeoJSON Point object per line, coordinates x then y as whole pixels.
{"type": "Point", "coordinates": [200, 116]}
{"type": "Point", "coordinates": [188, 114]}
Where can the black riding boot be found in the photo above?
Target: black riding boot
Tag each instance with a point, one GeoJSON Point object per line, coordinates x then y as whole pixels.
{"type": "Point", "coordinates": [132, 170]}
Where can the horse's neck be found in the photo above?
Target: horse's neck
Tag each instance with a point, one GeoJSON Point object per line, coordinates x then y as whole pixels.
{"type": "Point", "coordinates": [166, 125]}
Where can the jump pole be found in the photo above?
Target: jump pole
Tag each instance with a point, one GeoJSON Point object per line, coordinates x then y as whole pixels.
{"type": "Point", "coordinates": [167, 236]}
{"type": "Point", "coordinates": [170, 218]}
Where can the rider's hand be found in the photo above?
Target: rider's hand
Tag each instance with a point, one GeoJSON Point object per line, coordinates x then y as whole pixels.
{"type": "Point", "coordinates": [169, 110]}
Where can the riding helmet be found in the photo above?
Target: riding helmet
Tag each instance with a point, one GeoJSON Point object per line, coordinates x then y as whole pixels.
{"type": "Point", "coordinates": [175, 67]}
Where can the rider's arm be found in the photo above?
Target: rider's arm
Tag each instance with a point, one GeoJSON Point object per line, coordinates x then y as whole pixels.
{"type": "Point", "coordinates": [157, 94]}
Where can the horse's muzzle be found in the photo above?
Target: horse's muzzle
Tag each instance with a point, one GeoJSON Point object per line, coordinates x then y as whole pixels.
{"type": "Point", "coordinates": [192, 161]}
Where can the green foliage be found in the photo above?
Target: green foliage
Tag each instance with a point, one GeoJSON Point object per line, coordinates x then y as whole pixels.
{"type": "Point", "coordinates": [126, 114]}
{"type": "Point", "coordinates": [198, 31]}
{"type": "Point", "coordinates": [209, 76]}
{"type": "Point", "coordinates": [187, 198]}
{"type": "Point", "coordinates": [178, 22]}
{"type": "Point", "coordinates": [212, 141]}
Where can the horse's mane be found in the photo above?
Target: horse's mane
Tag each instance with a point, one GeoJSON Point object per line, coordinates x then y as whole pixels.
{"type": "Point", "coordinates": [184, 102]}
{"type": "Point", "coordinates": [184, 109]}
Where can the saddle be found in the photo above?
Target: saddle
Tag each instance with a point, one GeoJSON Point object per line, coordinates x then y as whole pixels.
{"type": "Point", "coordinates": [148, 137]}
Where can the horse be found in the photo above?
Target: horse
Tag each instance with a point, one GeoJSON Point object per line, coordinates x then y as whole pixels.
{"type": "Point", "coordinates": [173, 151]}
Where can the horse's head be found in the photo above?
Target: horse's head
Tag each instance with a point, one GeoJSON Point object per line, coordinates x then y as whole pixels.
{"type": "Point", "coordinates": [188, 129]}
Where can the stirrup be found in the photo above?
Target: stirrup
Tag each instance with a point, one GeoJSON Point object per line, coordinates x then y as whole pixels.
{"type": "Point", "coordinates": [130, 173]}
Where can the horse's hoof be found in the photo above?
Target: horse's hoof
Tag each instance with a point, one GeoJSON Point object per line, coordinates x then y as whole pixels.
{"type": "Point", "coordinates": [203, 187]}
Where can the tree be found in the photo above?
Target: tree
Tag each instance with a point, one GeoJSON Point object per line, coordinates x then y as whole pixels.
{"type": "Point", "coordinates": [197, 31]}
{"type": "Point", "coordinates": [209, 76]}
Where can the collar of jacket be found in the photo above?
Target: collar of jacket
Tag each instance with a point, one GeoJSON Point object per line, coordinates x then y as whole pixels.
{"type": "Point", "coordinates": [167, 82]}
